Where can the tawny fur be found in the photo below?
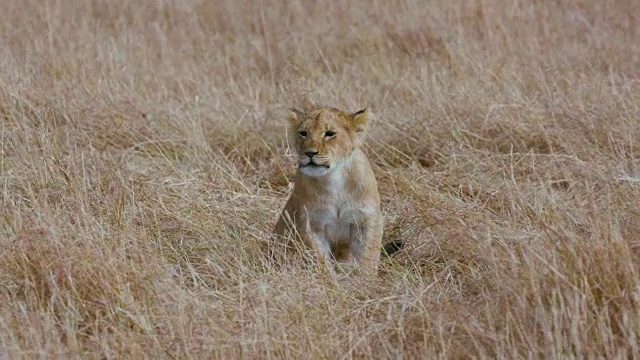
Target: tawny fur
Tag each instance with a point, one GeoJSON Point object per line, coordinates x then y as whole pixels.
{"type": "Point", "coordinates": [335, 205]}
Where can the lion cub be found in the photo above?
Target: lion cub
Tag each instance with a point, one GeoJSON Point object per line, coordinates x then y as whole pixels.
{"type": "Point", "coordinates": [335, 205]}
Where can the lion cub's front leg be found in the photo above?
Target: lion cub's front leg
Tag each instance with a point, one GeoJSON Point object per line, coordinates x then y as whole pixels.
{"type": "Point", "coordinates": [295, 226]}
{"type": "Point", "coordinates": [365, 243]}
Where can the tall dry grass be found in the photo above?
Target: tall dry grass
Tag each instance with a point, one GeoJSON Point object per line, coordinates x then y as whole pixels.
{"type": "Point", "coordinates": [143, 164]}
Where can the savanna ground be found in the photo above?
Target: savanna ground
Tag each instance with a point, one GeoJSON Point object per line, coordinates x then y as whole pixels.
{"type": "Point", "coordinates": [144, 163]}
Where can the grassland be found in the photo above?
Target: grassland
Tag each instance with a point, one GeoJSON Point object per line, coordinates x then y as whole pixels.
{"type": "Point", "coordinates": [144, 162]}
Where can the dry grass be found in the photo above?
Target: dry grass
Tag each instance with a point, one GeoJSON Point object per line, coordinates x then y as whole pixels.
{"type": "Point", "coordinates": [143, 164]}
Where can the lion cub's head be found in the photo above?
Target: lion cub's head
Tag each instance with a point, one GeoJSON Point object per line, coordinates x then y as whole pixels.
{"type": "Point", "coordinates": [325, 137]}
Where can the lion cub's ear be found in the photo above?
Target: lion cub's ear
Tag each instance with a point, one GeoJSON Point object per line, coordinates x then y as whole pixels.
{"type": "Point", "coordinates": [359, 119]}
{"type": "Point", "coordinates": [295, 117]}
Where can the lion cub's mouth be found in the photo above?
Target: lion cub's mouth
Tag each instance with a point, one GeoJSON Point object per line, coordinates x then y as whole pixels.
{"type": "Point", "coordinates": [314, 165]}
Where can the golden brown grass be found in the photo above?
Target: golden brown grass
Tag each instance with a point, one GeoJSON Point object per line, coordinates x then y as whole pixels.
{"type": "Point", "coordinates": [143, 164]}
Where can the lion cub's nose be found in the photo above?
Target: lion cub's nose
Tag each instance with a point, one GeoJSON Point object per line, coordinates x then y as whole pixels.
{"type": "Point", "coordinates": [310, 153]}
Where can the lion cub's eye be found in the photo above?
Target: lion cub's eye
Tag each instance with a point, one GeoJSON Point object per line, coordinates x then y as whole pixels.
{"type": "Point", "coordinates": [303, 134]}
{"type": "Point", "coordinates": [329, 134]}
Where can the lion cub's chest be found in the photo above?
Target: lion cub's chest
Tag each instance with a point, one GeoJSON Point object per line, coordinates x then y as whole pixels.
{"type": "Point", "coordinates": [338, 223]}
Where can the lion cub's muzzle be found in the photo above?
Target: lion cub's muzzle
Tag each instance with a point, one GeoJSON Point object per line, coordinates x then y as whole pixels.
{"type": "Point", "coordinates": [311, 159]}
